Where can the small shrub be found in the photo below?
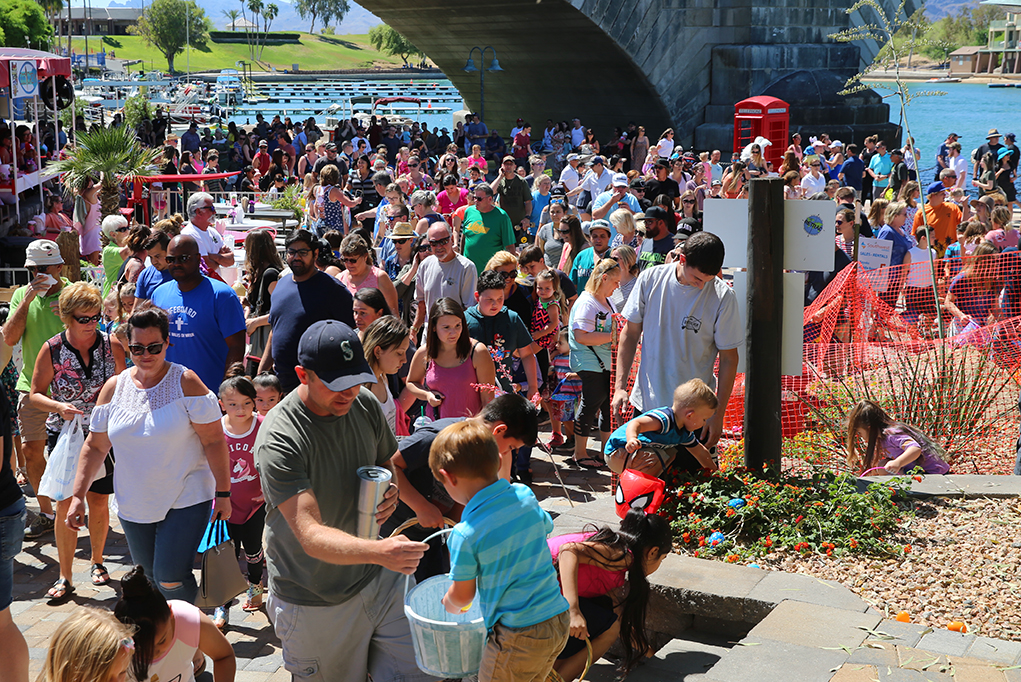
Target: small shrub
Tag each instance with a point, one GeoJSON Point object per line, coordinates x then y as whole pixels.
{"type": "Point", "coordinates": [735, 513]}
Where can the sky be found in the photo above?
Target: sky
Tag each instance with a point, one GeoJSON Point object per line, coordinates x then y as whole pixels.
{"type": "Point", "coordinates": [358, 20]}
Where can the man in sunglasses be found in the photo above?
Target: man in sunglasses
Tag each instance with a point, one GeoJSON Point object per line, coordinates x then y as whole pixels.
{"type": "Point", "coordinates": [301, 298]}
{"type": "Point", "coordinates": [207, 323]}
{"type": "Point", "coordinates": [486, 228]}
{"type": "Point", "coordinates": [201, 228]}
{"type": "Point", "coordinates": [444, 274]}
{"type": "Point", "coordinates": [32, 321]}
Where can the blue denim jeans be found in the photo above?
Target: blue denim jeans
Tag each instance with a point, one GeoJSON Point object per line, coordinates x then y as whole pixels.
{"type": "Point", "coordinates": [12, 532]}
{"type": "Point", "coordinates": [166, 549]}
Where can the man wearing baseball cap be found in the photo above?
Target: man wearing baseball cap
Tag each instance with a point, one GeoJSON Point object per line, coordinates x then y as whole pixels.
{"type": "Point", "coordinates": [599, 233]}
{"type": "Point", "coordinates": [512, 192]}
{"type": "Point", "coordinates": [595, 182]}
{"type": "Point", "coordinates": [333, 593]}
{"type": "Point", "coordinates": [942, 216]}
{"type": "Point", "coordinates": [615, 197]}
{"type": "Point", "coordinates": [331, 159]}
{"type": "Point", "coordinates": [943, 153]}
{"type": "Point", "coordinates": [663, 184]}
{"type": "Point", "coordinates": [262, 160]}
{"type": "Point", "coordinates": [33, 320]}
{"type": "Point", "coordinates": [658, 242]}
{"type": "Point", "coordinates": [572, 174]}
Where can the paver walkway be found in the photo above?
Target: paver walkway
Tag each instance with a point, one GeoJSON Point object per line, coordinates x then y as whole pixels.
{"type": "Point", "coordinates": [256, 647]}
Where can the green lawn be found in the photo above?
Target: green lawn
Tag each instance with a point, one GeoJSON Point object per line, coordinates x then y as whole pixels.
{"type": "Point", "coordinates": [315, 52]}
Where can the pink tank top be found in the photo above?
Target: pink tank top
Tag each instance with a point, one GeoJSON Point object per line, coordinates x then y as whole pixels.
{"type": "Point", "coordinates": [370, 282]}
{"type": "Point", "coordinates": [459, 398]}
{"type": "Point", "coordinates": [593, 581]}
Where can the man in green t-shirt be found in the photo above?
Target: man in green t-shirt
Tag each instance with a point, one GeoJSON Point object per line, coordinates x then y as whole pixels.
{"type": "Point", "coordinates": [333, 593]}
{"type": "Point", "coordinates": [485, 229]}
{"type": "Point", "coordinates": [33, 321]}
{"type": "Point", "coordinates": [515, 196]}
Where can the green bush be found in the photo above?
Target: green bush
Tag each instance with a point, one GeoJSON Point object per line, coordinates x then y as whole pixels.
{"type": "Point", "coordinates": [826, 514]}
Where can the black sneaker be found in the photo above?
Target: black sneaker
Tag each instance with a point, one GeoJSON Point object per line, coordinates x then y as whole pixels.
{"type": "Point", "coordinates": [566, 446]}
{"type": "Point", "coordinates": [39, 526]}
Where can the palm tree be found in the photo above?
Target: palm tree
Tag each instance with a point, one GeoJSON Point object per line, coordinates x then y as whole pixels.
{"type": "Point", "coordinates": [233, 15]}
{"type": "Point", "coordinates": [268, 15]}
{"type": "Point", "coordinates": [52, 10]}
{"type": "Point", "coordinates": [255, 7]}
{"type": "Point", "coordinates": [114, 155]}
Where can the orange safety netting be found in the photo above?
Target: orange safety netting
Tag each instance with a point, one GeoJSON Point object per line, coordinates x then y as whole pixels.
{"type": "Point", "coordinates": [876, 335]}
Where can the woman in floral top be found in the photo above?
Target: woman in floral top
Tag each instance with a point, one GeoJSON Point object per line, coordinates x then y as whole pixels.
{"type": "Point", "coordinates": [72, 368]}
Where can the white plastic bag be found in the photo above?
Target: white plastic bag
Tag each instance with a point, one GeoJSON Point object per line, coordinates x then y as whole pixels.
{"type": "Point", "coordinates": [58, 480]}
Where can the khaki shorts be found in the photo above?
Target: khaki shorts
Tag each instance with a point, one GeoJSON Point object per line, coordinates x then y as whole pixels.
{"type": "Point", "coordinates": [31, 421]}
{"type": "Point", "coordinates": [366, 635]}
{"type": "Point", "coordinates": [524, 654]}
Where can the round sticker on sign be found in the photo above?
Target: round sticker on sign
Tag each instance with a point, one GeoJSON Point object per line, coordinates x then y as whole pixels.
{"type": "Point", "coordinates": [813, 225]}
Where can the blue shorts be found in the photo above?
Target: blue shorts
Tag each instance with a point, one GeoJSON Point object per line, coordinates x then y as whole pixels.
{"type": "Point", "coordinates": [12, 533]}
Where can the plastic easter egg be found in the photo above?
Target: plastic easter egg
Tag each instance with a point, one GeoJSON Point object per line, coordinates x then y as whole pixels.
{"type": "Point", "coordinates": [904, 617]}
{"type": "Point", "coordinates": [736, 503]}
{"type": "Point", "coordinates": [716, 538]}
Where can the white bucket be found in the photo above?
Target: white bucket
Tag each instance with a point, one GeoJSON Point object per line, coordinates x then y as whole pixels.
{"type": "Point", "coordinates": [446, 645]}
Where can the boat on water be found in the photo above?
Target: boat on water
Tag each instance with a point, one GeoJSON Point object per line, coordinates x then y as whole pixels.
{"type": "Point", "coordinates": [944, 79]}
{"type": "Point", "coordinates": [1002, 85]}
{"type": "Point", "coordinates": [229, 90]}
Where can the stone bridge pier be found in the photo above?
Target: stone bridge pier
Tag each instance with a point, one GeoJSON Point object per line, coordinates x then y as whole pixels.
{"type": "Point", "coordinates": [661, 63]}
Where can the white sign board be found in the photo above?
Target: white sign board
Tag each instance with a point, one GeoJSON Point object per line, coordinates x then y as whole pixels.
{"type": "Point", "coordinates": [875, 256]}
{"type": "Point", "coordinates": [793, 338]}
{"type": "Point", "coordinates": [808, 232]}
{"type": "Point", "coordinates": [24, 78]}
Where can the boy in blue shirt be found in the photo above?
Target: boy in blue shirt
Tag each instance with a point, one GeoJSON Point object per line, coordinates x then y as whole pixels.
{"type": "Point", "coordinates": [499, 550]}
{"type": "Point", "coordinates": [652, 441]}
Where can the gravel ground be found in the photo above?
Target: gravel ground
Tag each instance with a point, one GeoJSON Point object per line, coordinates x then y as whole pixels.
{"type": "Point", "coordinates": [963, 566]}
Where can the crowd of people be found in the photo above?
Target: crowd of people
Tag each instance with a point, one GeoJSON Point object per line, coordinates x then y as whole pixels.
{"type": "Point", "coordinates": [445, 297]}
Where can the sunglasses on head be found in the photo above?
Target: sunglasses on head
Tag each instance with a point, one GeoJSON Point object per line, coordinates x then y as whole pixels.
{"type": "Point", "coordinates": [182, 259]}
{"type": "Point", "coordinates": [91, 319]}
{"type": "Point", "coordinates": [152, 348]}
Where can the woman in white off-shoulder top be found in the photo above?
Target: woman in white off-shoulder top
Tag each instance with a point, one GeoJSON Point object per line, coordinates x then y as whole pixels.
{"type": "Point", "coordinates": [164, 425]}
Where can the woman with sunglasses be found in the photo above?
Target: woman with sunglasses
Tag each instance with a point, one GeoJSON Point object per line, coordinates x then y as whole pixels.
{"type": "Point", "coordinates": [406, 278]}
{"type": "Point", "coordinates": [164, 425]}
{"type": "Point", "coordinates": [573, 239]}
{"type": "Point", "coordinates": [307, 160]}
{"type": "Point", "coordinates": [115, 229]}
{"type": "Point", "coordinates": [689, 206]}
{"type": "Point", "coordinates": [70, 371]}
{"type": "Point", "coordinates": [447, 165]}
{"type": "Point", "coordinates": [814, 181]}
{"type": "Point", "coordinates": [360, 273]}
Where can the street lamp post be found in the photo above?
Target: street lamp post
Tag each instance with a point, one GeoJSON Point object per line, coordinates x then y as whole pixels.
{"type": "Point", "coordinates": [469, 67]}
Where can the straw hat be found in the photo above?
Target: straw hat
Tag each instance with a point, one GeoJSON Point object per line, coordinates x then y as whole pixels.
{"type": "Point", "coordinates": [401, 231]}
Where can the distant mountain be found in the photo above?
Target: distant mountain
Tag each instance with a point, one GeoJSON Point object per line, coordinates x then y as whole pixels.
{"type": "Point", "coordinates": [359, 20]}
{"type": "Point", "coordinates": [937, 9]}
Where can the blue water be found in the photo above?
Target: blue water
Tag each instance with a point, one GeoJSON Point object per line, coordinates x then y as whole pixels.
{"type": "Point", "coordinates": [301, 99]}
{"type": "Point", "coordinates": [968, 109]}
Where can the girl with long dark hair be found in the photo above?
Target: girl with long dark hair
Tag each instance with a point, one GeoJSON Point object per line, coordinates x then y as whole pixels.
{"type": "Point", "coordinates": [596, 567]}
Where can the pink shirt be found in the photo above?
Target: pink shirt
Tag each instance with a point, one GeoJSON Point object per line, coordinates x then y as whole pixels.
{"type": "Point", "coordinates": [593, 580]}
{"type": "Point", "coordinates": [176, 664]}
{"type": "Point", "coordinates": [370, 282]}
{"type": "Point", "coordinates": [447, 206]}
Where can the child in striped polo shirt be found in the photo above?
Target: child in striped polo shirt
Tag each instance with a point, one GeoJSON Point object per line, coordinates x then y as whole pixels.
{"type": "Point", "coordinates": [499, 551]}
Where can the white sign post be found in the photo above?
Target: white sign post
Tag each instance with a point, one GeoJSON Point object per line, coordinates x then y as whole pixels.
{"type": "Point", "coordinates": [808, 246]}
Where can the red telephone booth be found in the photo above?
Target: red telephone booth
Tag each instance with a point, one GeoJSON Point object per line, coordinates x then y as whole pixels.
{"type": "Point", "coordinates": [766, 116]}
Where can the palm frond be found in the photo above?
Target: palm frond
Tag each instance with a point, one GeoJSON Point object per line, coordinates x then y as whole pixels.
{"type": "Point", "coordinates": [111, 155]}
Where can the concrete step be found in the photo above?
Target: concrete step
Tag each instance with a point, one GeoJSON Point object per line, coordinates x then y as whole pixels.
{"type": "Point", "coordinates": [680, 660]}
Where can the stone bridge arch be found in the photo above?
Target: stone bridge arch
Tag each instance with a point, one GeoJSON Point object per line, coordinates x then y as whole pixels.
{"type": "Point", "coordinates": [661, 63]}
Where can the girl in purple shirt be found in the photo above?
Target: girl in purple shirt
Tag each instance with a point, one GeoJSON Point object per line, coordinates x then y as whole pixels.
{"type": "Point", "coordinates": [890, 445]}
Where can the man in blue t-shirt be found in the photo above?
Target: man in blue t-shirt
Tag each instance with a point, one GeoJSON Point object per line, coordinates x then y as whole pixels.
{"type": "Point", "coordinates": [599, 235]}
{"type": "Point", "coordinates": [879, 169]}
{"type": "Point", "coordinates": [301, 299]}
{"type": "Point", "coordinates": [207, 323]}
{"type": "Point", "coordinates": [158, 272]}
{"type": "Point", "coordinates": [853, 170]}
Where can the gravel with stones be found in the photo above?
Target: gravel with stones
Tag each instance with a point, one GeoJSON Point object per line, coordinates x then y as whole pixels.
{"type": "Point", "coordinates": [963, 566]}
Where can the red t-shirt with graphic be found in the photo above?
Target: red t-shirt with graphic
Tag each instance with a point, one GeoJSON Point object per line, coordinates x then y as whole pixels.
{"type": "Point", "coordinates": [245, 487]}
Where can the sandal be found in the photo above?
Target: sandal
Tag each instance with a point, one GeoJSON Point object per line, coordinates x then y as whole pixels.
{"type": "Point", "coordinates": [100, 576]}
{"type": "Point", "coordinates": [61, 590]}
